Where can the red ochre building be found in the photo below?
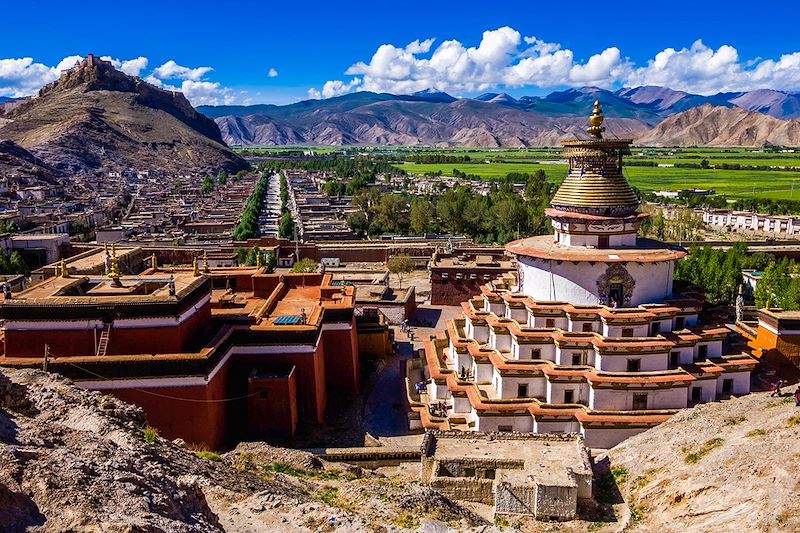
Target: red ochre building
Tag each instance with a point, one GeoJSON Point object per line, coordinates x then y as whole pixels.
{"type": "Point", "coordinates": [220, 356]}
{"type": "Point", "coordinates": [586, 336]}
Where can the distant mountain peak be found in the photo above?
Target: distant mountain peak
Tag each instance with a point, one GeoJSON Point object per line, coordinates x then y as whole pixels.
{"type": "Point", "coordinates": [432, 95]}
{"type": "Point", "coordinates": [94, 116]}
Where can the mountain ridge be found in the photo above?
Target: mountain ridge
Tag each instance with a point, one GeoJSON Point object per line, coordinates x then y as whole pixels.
{"type": "Point", "coordinates": [488, 120]}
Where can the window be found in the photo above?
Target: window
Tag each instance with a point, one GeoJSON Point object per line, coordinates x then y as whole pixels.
{"type": "Point", "coordinates": [634, 365]}
{"type": "Point", "coordinates": [522, 390]}
{"type": "Point", "coordinates": [490, 473]}
{"type": "Point", "coordinates": [602, 241]}
{"type": "Point", "coordinates": [577, 358]}
{"type": "Point", "coordinates": [587, 327]}
{"type": "Point", "coordinates": [627, 332]}
{"type": "Point", "coordinates": [549, 323]}
{"type": "Point", "coordinates": [679, 323]}
{"type": "Point", "coordinates": [469, 472]}
{"type": "Point", "coordinates": [536, 354]}
{"type": "Point", "coordinates": [697, 394]}
{"type": "Point", "coordinates": [727, 386]}
{"type": "Point", "coordinates": [568, 396]}
{"type": "Point", "coordinates": [640, 401]}
{"type": "Point", "coordinates": [655, 329]}
{"type": "Point", "coordinates": [702, 352]}
{"type": "Point", "coordinates": [674, 359]}
{"type": "Point", "coordinates": [505, 429]}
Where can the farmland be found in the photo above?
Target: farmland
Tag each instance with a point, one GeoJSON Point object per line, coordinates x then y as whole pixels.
{"type": "Point", "coordinates": [775, 184]}
{"type": "Point", "coordinates": [772, 184]}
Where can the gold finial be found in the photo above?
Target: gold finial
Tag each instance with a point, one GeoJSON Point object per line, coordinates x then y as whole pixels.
{"type": "Point", "coordinates": [596, 121]}
{"type": "Point", "coordinates": [64, 269]}
{"type": "Point", "coordinates": [105, 247]}
{"type": "Point", "coordinates": [206, 269]}
{"type": "Point", "coordinates": [153, 262]}
{"type": "Point", "coordinates": [113, 272]}
{"type": "Point", "coordinates": [258, 259]}
{"type": "Point", "coordinates": [741, 289]}
{"type": "Point", "coordinates": [195, 268]}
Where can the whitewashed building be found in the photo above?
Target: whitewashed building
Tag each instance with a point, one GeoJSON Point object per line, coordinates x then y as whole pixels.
{"type": "Point", "coordinates": [587, 336]}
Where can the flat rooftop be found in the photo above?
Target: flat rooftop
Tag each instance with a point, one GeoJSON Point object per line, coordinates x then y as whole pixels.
{"type": "Point", "coordinates": [645, 251]}
{"type": "Point", "coordinates": [98, 289]}
{"type": "Point", "coordinates": [543, 457]}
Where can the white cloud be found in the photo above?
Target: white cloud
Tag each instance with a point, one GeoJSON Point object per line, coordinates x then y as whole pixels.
{"type": "Point", "coordinates": [272, 73]}
{"type": "Point", "coordinates": [173, 71]}
{"type": "Point", "coordinates": [131, 67]}
{"type": "Point", "coordinates": [505, 58]}
{"type": "Point", "coordinates": [23, 77]}
{"type": "Point", "coordinates": [334, 88]}
{"type": "Point", "coordinates": [701, 69]}
{"type": "Point", "coordinates": [207, 93]}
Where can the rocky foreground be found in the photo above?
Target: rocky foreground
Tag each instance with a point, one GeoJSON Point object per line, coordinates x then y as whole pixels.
{"type": "Point", "coordinates": [730, 466]}
{"type": "Point", "coordinates": [77, 460]}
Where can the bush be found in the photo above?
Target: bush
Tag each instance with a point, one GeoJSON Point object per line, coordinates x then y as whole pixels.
{"type": "Point", "coordinates": [150, 435]}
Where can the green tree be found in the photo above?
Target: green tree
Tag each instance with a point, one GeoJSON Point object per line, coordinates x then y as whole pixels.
{"type": "Point", "coordinates": [252, 256]}
{"type": "Point", "coordinates": [286, 227]}
{"type": "Point", "coordinates": [270, 262]}
{"type": "Point", "coordinates": [400, 265]}
{"type": "Point", "coordinates": [222, 178]}
{"type": "Point", "coordinates": [208, 185]}
{"type": "Point", "coordinates": [305, 265]}
{"type": "Point", "coordinates": [17, 263]}
{"type": "Point", "coordinates": [422, 216]}
{"type": "Point", "coordinates": [357, 221]}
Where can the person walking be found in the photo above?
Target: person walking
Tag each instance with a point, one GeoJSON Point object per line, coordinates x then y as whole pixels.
{"type": "Point", "coordinates": [797, 396]}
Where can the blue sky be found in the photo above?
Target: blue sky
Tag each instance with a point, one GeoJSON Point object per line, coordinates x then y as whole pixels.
{"type": "Point", "coordinates": [324, 49]}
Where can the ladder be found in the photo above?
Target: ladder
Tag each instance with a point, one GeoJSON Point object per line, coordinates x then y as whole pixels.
{"type": "Point", "coordinates": [102, 346]}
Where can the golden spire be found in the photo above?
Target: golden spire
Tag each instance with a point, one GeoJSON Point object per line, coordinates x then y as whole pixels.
{"type": "Point", "coordinates": [195, 268]}
{"type": "Point", "coordinates": [153, 262]}
{"type": "Point", "coordinates": [206, 269]}
{"type": "Point", "coordinates": [596, 121]}
{"type": "Point", "coordinates": [113, 272]}
{"type": "Point", "coordinates": [258, 259]}
{"type": "Point", "coordinates": [105, 247]}
{"type": "Point", "coordinates": [64, 269]}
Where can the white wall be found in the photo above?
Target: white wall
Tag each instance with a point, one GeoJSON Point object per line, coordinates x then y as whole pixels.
{"type": "Point", "coordinates": [522, 422]}
{"type": "Point", "coordinates": [619, 363]}
{"type": "Point", "coordinates": [577, 282]}
{"type": "Point", "coordinates": [606, 438]}
{"type": "Point", "coordinates": [622, 400]}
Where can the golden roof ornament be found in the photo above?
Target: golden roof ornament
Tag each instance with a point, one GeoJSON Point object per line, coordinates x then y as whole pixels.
{"type": "Point", "coordinates": [596, 127]}
{"type": "Point", "coordinates": [206, 268]}
{"type": "Point", "coordinates": [153, 262]}
{"type": "Point", "coordinates": [195, 268]}
{"type": "Point", "coordinates": [258, 259]}
{"type": "Point", "coordinates": [64, 269]}
{"type": "Point", "coordinates": [113, 272]}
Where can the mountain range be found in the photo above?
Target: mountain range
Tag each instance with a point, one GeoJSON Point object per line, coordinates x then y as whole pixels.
{"type": "Point", "coordinates": [489, 120]}
{"type": "Point", "coordinates": [96, 118]}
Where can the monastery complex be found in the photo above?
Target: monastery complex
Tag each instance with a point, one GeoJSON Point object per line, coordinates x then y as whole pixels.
{"type": "Point", "coordinates": [587, 335]}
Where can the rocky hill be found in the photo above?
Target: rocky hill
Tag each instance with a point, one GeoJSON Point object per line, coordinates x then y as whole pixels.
{"type": "Point", "coordinates": [97, 118]}
{"type": "Point", "coordinates": [708, 125]}
{"type": "Point", "coordinates": [76, 460]}
{"type": "Point", "coordinates": [730, 466]}
{"type": "Point", "coordinates": [17, 161]}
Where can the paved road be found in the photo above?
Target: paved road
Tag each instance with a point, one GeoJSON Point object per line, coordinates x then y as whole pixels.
{"type": "Point", "coordinates": [385, 412]}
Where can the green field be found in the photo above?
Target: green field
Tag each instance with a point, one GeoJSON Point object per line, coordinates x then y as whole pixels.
{"type": "Point", "coordinates": [771, 184]}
